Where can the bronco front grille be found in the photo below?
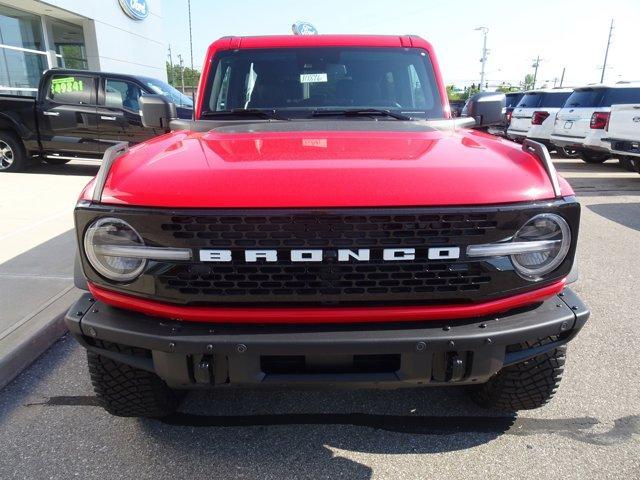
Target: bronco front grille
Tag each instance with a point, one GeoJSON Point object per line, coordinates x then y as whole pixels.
{"type": "Point", "coordinates": [333, 230]}
{"type": "Point", "coordinates": [329, 282]}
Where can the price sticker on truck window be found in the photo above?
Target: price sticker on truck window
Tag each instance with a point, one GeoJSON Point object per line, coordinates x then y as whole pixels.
{"type": "Point", "coordinates": [313, 77]}
{"type": "Point", "coordinates": [66, 84]}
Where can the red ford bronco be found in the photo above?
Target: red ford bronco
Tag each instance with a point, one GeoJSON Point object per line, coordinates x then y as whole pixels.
{"type": "Point", "coordinates": [324, 221]}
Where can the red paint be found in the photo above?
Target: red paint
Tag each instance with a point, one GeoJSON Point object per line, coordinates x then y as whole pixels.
{"type": "Point", "coordinates": [325, 169]}
{"type": "Point", "coordinates": [292, 41]}
{"type": "Point", "coordinates": [298, 315]}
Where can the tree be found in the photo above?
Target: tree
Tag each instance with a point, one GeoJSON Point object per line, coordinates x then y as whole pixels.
{"type": "Point", "coordinates": [527, 84]}
{"type": "Point", "coordinates": [174, 75]}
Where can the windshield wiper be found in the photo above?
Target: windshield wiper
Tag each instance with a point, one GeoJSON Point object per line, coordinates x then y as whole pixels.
{"type": "Point", "coordinates": [361, 112]}
{"type": "Point", "coordinates": [269, 113]}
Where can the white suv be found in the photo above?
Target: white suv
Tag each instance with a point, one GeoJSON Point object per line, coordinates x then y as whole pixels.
{"type": "Point", "coordinates": [581, 123]}
{"type": "Point", "coordinates": [534, 115]}
{"type": "Point", "coordinates": [623, 134]}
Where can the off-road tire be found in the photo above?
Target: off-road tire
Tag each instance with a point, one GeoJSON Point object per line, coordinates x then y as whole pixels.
{"type": "Point", "coordinates": [566, 152]}
{"type": "Point", "coordinates": [19, 156]}
{"type": "Point", "coordinates": [126, 391]}
{"type": "Point", "coordinates": [594, 157]}
{"type": "Point", "coordinates": [524, 386]}
{"type": "Point", "coordinates": [628, 163]}
{"type": "Point", "coordinates": [57, 161]}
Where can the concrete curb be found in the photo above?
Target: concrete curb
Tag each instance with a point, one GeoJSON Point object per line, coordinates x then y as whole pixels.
{"type": "Point", "coordinates": [29, 338]}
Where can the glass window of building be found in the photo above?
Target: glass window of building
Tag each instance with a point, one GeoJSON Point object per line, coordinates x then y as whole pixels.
{"type": "Point", "coordinates": [22, 53]}
{"type": "Point", "coordinates": [69, 44]}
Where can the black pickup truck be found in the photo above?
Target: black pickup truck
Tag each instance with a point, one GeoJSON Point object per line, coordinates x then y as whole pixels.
{"type": "Point", "coordinates": [78, 114]}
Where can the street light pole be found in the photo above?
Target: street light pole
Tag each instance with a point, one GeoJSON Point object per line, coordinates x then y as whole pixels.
{"type": "Point", "coordinates": [485, 52]}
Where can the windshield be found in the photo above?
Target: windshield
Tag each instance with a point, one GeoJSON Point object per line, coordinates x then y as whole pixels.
{"type": "Point", "coordinates": [617, 96]}
{"type": "Point", "coordinates": [512, 99]}
{"type": "Point", "coordinates": [174, 95]}
{"type": "Point", "coordinates": [584, 98]}
{"type": "Point", "coordinates": [298, 82]}
{"type": "Point", "coordinates": [530, 100]}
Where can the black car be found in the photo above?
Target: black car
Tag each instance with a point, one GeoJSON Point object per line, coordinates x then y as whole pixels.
{"type": "Point", "coordinates": [78, 114]}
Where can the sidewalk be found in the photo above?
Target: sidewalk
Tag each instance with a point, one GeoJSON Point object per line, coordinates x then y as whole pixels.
{"type": "Point", "coordinates": [37, 248]}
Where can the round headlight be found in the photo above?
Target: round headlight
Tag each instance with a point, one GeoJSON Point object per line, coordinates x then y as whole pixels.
{"type": "Point", "coordinates": [109, 232]}
{"type": "Point", "coordinates": [554, 237]}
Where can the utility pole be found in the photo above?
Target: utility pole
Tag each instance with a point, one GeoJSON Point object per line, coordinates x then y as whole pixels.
{"type": "Point", "coordinates": [536, 64]}
{"type": "Point", "coordinates": [170, 65]}
{"type": "Point", "coordinates": [606, 52]}
{"type": "Point", "coordinates": [181, 71]}
{"type": "Point", "coordinates": [562, 77]}
{"type": "Point", "coordinates": [190, 34]}
{"type": "Point", "coordinates": [485, 53]}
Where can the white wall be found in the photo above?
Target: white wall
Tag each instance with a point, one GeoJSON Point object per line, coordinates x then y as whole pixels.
{"type": "Point", "coordinates": [117, 43]}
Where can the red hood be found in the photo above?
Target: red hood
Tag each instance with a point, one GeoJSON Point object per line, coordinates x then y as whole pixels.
{"type": "Point", "coordinates": [326, 169]}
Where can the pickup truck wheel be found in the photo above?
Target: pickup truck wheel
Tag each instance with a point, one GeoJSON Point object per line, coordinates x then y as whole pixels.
{"type": "Point", "coordinates": [126, 391]}
{"type": "Point", "coordinates": [566, 152]}
{"type": "Point", "coordinates": [57, 161]}
{"type": "Point", "coordinates": [628, 164]}
{"type": "Point", "coordinates": [591, 157]}
{"type": "Point", "coordinates": [526, 385]}
{"type": "Point", "coordinates": [13, 157]}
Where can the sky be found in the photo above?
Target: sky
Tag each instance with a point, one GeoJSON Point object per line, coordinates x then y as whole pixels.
{"type": "Point", "coordinates": [570, 34]}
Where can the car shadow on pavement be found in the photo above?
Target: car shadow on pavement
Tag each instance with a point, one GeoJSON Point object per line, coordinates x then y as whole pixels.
{"type": "Point", "coordinates": [283, 433]}
{"type": "Point", "coordinates": [627, 214]}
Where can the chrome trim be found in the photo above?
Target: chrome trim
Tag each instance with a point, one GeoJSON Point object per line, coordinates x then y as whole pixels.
{"type": "Point", "coordinates": [540, 151]}
{"type": "Point", "coordinates": [149, 253]}
{"type": "Point", "coordinates": [62, 157]}
{"type": "Point", "coordinates": [511, 248]}
{"type": "Point", "coordinates": [110, 155]}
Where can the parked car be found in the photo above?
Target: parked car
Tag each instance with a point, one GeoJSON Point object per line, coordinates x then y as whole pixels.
{"type": "Point", "coordinates": [372, 242]}
{"type": "Point", "coordinates": [78, 114]}
{"type": "Point", "coordinates": [534, 116]}
{"type": "Point", "coordinates": [623, 134]}
{"type": "Point", "coordinates": [511, 100]}
{"type": "Point", "coordinates": [580, 123]}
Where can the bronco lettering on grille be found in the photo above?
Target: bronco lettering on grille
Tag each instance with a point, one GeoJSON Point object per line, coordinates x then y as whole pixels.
{"type": "Point", "coordinates": [318, 255]}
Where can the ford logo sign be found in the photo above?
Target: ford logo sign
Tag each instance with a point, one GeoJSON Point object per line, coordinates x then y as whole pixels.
{"type": "Point", "coordinates": [304, 28]}
{"type": "Point", "coordinates": [136, 9]}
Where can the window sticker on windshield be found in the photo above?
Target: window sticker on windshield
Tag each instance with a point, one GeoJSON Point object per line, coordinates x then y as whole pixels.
{"type": "Point", "coordinates": [313, 77]}
{"type": "Point", "coordinates": [66, 84]}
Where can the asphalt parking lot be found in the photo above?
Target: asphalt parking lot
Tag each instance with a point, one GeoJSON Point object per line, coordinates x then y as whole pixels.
{"type": "Point", "coordinates": [50, 426]}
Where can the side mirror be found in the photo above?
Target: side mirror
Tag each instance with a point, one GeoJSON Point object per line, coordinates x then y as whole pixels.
{"type": "Point", "coordinates": [157, 112]}
{"type": "Point", "coordinates": [487, 108]}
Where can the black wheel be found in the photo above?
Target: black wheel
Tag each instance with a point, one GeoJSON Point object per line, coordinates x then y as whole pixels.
{"type": "Point", "coordinates": [628, 163]}
{"type": "Point", "coordinates": [13, 157]}
{"type": "Point", "coordinates": [593, 157]}
{"type": "Point", "coordinates": [129, 392]}
{"type": "Point", "coordinates": [523, 386]}
{"type": "Point", "coordinates": [566, 152]}
{"type": "Point", "coordinates": [57, 161]}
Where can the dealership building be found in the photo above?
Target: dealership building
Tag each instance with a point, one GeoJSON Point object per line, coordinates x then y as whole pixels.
{"type": "Point", "coordinates": [124, 36]}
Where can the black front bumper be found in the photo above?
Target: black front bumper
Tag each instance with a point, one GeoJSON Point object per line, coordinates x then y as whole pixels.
{"type": "Point", "coordinates": [191, 355]}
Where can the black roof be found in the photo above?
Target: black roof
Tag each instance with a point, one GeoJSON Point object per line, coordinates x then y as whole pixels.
{"type": "Point", "coordinates": [141, 78]}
